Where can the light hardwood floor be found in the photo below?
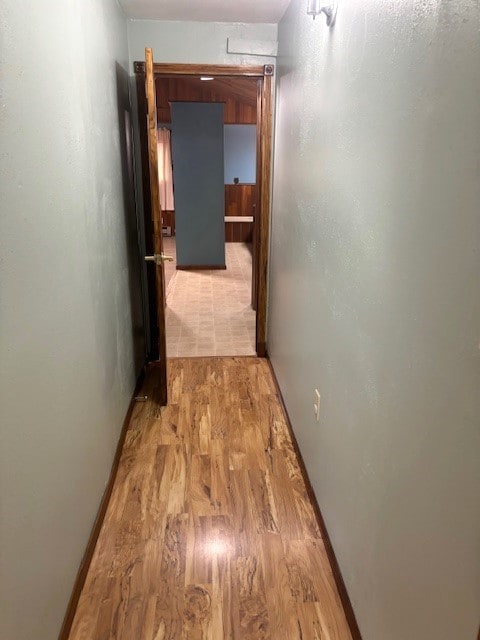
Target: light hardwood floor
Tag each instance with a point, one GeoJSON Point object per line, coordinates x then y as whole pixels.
{"type": "Point", "coordinates": [209, 533]}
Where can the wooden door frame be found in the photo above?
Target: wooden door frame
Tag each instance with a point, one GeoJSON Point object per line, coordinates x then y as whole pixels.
{"type": "Point", "coordinates": [262, 220]}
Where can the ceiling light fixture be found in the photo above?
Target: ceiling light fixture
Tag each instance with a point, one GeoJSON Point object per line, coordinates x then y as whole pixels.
{"type": "Point", "coordinates": [205, 78]}
{"type": "Point", "coordinates": [316, 7]}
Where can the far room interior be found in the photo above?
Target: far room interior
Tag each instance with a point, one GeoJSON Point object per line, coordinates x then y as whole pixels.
{"type": "Point", "coordinates": [207, 166]}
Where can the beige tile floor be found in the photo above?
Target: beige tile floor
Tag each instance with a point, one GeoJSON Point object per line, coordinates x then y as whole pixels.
{"type": "Point", "coordinates": [209, 312]}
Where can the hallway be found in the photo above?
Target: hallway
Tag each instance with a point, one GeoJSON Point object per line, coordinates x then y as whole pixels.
{"type": "Point", "coordinates": [365, 210]}
{"type": "Point", "coordinates": [210, 533]}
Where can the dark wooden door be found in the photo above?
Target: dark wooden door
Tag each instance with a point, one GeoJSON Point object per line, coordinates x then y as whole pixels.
{"type": "Point", "coordinates": [156, 260]}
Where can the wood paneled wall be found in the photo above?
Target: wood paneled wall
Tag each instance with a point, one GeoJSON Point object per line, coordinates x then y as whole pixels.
{"type": "Point", "coordinates": [168, 220]}
{"type": "Point", "coordinates": [240, 98]}
{"type": "Point", "coordinates": [238, 94]}
{"type": "Point", "coordinates": [239, 201]}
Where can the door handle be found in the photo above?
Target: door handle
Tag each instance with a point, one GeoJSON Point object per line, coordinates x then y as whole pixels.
{"type": "Point", "coordinates": [158, 258]}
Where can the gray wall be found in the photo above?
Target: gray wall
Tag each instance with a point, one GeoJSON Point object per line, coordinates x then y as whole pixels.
{"type": "Point", "coordinates": [240, 153]}
{"type": "Point", "coordinates": [202, 42]}
{"type": "Point", "coordinates": [375, 299]}
{"type": "Point", "coordinates": [71, 340]}
{"type": "Point", "coordinates": [198, 176]}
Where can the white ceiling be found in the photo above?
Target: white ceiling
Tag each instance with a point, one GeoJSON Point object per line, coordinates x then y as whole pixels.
{"type": "Point", "coordinates": [207, 10]}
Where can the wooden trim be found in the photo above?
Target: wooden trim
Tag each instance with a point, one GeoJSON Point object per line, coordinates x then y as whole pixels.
{"type": "Point", "coordinates": [264, 213]}
{"type": "Point", "coordinates": [337, 574]}
{"type": "Point", "coordinates": [209, 357]}
{"type": "Point", "coordinates": [97, 525]}
{"type": "Point", "coordinates": [200, 267]}
{"type": "Point", "coordinates": [167, 68]}
{"type": "Point", "coordinates": [258, 175]}
{"type": "Point", "coordinates": [262, 350]}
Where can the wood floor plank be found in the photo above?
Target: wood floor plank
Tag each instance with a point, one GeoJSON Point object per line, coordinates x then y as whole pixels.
{"type": "Point", "coordinates": [210, 533]}
{"type": "Point", "coordinates": [245, 526]}
{"type": "Point", "coordinates": [280, 601]}
{"type": "Point", "coordinates": [221, 498]}
{"type": "Point", "coordinates": [252, 605]}
{"type": "Point", "coordinates": [168, 581]}
{"type": "Point", "coordinates": [197, 612]}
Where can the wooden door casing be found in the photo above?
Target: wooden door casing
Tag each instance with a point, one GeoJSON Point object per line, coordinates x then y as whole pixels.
{"type": "Point", "coordinates": [264, 75]}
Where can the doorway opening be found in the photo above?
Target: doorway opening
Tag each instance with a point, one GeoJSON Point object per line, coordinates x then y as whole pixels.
{"type": "Point", "coordinates": [207, 147]}
{"type": "Point", "coordinates": [244, 96]}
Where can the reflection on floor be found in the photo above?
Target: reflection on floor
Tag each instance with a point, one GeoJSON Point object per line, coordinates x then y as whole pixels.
{"type": "Point", "coordinates": [210, 312]}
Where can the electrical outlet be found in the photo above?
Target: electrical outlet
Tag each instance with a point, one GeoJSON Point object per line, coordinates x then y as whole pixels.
{"type": "Point", "coordinates": [316, 404]}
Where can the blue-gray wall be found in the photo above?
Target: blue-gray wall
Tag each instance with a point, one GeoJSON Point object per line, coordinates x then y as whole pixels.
{"type": "Point", "coordinates": [240, 153]}
{"type": "Point", "coordinates": [374, 299]}
{"type": "Point", "coordinates": [71, 338]}
{"type": "Point", "coordinates": [198, 177]}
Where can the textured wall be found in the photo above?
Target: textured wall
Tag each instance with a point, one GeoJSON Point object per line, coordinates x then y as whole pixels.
{"type": "Point", "coordinates": [375, 299]}
{"type": "Point", "coordinates": [195, 41]}
{"type": "Point", "coordinates": [71, 337]}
